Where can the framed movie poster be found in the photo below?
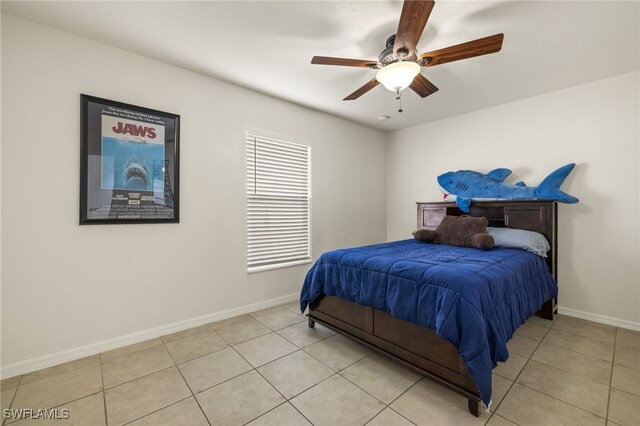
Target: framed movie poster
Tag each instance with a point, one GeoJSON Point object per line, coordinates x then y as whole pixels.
{"type": "Point", "coordinates": [128, 163]}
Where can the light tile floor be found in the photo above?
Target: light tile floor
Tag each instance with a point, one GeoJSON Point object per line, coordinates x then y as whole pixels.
{"type": "Point", "coordinates": [269, 368]}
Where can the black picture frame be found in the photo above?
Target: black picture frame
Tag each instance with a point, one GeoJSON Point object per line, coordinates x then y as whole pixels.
{"type": "Point", "coordinates": [129, 163]}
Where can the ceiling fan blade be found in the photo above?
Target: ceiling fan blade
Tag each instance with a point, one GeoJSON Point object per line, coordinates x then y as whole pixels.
{"type": "Point", "coordinates": [345, 62]}
{"type": "Point", "coordinates": [413, 19]}
{"type": "Point", "coordinates": [470, 49]}
{"type": "Point", "coordinates": [361, 91]}
{"type": "Point", "coordinates": [422, 86]}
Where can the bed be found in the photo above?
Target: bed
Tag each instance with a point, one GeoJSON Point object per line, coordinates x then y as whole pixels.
{"type": "Point", "coordinates": [443, 311]}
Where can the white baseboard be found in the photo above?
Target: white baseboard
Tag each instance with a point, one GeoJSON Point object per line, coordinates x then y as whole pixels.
{"type": "Point", "coordinates": [34, 364]}
{"type": "Point", "coordinates": [45, 361]}
{"type": "Point", "coordinates": [631, 325]}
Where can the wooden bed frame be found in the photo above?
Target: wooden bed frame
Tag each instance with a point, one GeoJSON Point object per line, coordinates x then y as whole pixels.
{"type": "Point", "coordinates": [417, 347]}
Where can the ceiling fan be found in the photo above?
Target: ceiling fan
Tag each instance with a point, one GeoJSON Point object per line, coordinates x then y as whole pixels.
{"type": "Point", "coordinates": [399, 64]}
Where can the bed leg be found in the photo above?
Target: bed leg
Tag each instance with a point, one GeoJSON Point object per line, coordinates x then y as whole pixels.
{"type": "Point", "coordinates": [546, 311]}
{"type": "Point", "coordinates": [473, 407]}
{"type": "Point", "coordinates": [311, 323]}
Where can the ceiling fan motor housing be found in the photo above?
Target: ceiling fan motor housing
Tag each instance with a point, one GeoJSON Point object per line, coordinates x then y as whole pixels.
{"type": "Point", "coordinates": [387, 56]}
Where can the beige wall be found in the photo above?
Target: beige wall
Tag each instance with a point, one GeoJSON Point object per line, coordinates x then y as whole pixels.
{"type": "Point", "coordinates": [65, 286]}
{"type": "Point", "coordinates": [594, 125]}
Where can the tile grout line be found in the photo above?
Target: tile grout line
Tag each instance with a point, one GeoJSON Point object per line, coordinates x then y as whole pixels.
{"type": "Point", "coordinates": [367, 392]}
{"type": "Point", "coordinates": [398, 413]}
{"type": "Point", "coordinates": [155, 411]}
{"type": "Point", "coordinates": [564, 402]}
{"type": "Point", "coordinates": [13, 398]}
{"type": "Point", "coordinates": [582, 337]}
{"type": "Point", "coordinates": [274, 408]}
{"type": "Point", "coordinates": [334, 373]}
{"type": "Point", "coordinates": [588, 323]}
{"type": "Point", "coordinates": [567, 349]}
{"type": "Point", "coordinates": [336, 334]}
{"type": "Point", "coordinates": [296, 408]}
{"type": "Point", "coordinates": [576, 352]}
{"type": "Point", "coordinates": [256, 370]}
{"type": "Point", "coordinates": [628, 347]}
{"type": "Point", "coordinates": [57, 374]}
{"type": "Point", "coordinates": [299, 349]}
{"type": "Point", "coordinates": [318, 341]}
{"type": "Point", "coordinates": [141, 377]}
{"type": "Point", "coordinates": [502, 417]}
{"type": "Point", "coordinates": [60, 405]}
{"type": "Point", "coordinates": [309, 388]}
{"type": "Point", "coordinates": [146, 375]}
{"type": "Point", "coordinates": [626, 392]}
{"type": "Point", "coordinates": [495, 410]}
{"type": "Point", "coordinates": [104, 396]}
{"type": "Point", "coordinates": [199, 356]}
{"type": "Point", "coordinates": [237, 320]}
{"type": "Point", "coordinates": [185, 337]}
{"type": "Point", "coordinates": [244, 341]}
{"type": "Point", "coordinates": [384, 406]}
{"type": "Point", "coordinates": [234, 349]}
{"type": "Point", "coordinates": [505, 395]}
{"type": "Point", "coordinates": [535, 390]}
{"type": "Point", "coordinates": [613, 361]}
{"type": "Point", "coordinates": [271, 310]}
{"type": "Point", "coordinates": [185, 380]}
{"type": "Point", "coordinates": [399, 396]}
{"type": "Point", "coordinates": [362, 389]}
{"type": "Point", "coordinates": [149, 374]}
{"type": "Point", "coordinates": [286, 400]}
{"type": "Point", "coordinates": [237, 343]}
{"type": "Point", "coordinates": [130, 353]}
{"type": "Point", "coordinates": [257, 318]}
{"type": "Point", "coordinates": [99, 354]}
{"type": "Point", "coordinates": [273, 360]}
{"type": "Point", "coordinates": [338, 373]}
{"type": "Point", "coordinates": [570, 373]}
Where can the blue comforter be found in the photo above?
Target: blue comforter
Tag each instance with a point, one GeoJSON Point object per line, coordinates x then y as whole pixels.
{"type": "Point", "coordinates": [475, 299]}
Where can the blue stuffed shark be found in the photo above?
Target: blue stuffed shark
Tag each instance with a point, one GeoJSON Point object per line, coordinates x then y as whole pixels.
{"type": "Point", "coordinates": [467, 184]}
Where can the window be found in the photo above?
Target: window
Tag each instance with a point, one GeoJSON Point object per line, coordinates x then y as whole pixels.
{"type": "Point", "coordinates": [278, 203]}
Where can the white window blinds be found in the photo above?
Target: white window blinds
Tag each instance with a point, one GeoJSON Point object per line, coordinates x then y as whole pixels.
{"type": "Point", "coordinates": [278, 203]}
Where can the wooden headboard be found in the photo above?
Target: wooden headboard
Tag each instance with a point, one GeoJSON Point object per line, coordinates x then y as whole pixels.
{"type": "Point", "coordinates": [538, 216]}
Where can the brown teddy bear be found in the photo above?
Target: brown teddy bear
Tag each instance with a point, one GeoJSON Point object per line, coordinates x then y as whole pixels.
{"type": "Point", "coordinates": [463, 231]}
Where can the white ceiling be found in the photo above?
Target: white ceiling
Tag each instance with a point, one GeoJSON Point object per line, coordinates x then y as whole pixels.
{"type": "Point", "coordinates": [267, 46]}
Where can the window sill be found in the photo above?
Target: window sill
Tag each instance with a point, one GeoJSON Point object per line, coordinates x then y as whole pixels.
{"type": "Point", "coordinates": [255, 269]}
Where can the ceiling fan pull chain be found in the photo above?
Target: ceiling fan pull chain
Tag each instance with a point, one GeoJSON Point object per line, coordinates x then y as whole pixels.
{"type": "Point", "coordinates": [399, 98]}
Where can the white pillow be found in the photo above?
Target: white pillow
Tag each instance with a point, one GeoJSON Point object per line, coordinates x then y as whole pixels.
{"type": "Point", "coordinates": [519, 238]}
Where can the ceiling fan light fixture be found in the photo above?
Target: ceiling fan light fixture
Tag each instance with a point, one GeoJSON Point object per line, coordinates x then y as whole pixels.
{"type": "Point", "coordinates": [398, 76]}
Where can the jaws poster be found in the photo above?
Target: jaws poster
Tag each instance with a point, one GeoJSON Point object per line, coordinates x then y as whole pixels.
{"type": "Point", "coordinates": [134, 149]}
{"type": "Point", "coordinates": [129, 163]}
